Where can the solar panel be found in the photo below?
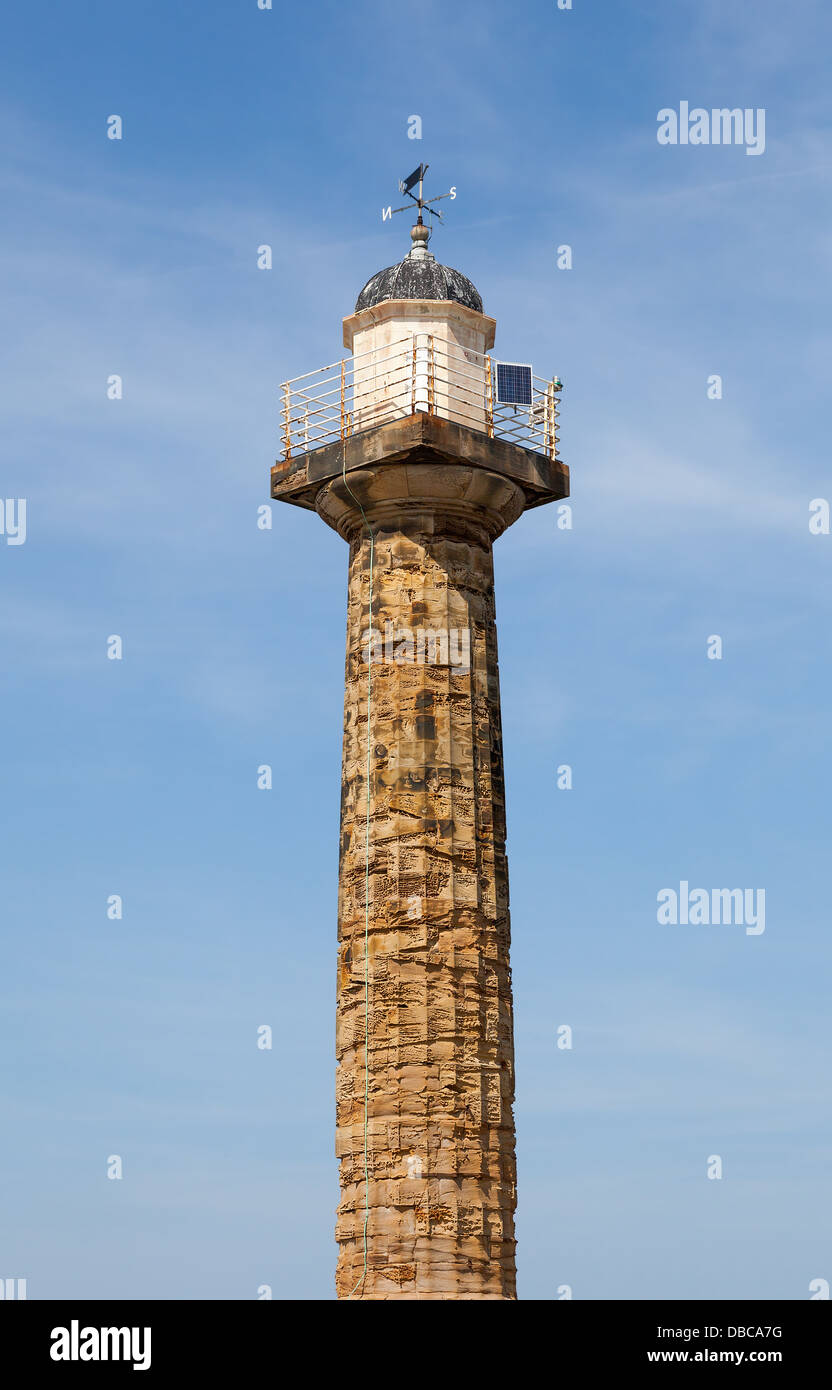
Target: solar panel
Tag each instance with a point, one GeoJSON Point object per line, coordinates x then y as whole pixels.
{"type": "Point", "coordinates": [514, 383]}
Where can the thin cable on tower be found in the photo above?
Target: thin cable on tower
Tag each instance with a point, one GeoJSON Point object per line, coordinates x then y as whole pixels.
{"type": "Point", "coordinates": [366, 882]}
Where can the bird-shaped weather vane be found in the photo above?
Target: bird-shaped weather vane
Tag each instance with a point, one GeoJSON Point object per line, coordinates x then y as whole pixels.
{"type": "Point", "coordinates": [418, 200]}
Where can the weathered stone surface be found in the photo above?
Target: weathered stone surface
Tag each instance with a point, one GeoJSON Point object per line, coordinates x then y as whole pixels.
{"type": "Point", "coordinates": [439, 1067]}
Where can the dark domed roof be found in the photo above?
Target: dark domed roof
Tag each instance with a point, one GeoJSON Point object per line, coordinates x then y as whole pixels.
{"type": "Point", "coordinates": [419, 276]}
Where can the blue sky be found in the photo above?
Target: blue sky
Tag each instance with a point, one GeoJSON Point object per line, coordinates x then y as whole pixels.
{"type": "Point", "coordinates": [690, 518]}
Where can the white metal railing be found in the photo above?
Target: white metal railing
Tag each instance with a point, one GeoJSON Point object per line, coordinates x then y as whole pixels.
{"type": "Point", "coordinates": [417, 373]}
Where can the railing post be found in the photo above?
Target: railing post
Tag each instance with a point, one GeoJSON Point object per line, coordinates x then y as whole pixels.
{"type": "Point", "coordinates": [413, 378]}
{"type": "Point", "coordinates": [431, 381]}
{"type": "Point", "coordinates": [287, 437]}
{"type": "Point", "coordinates": [489, 398]}
{"type": "Point", "coordinates": [550, 411]}
{"type": "Point", "coordinates": [555, 421]}
{"type": "Point", "coordinates": [343, 395]}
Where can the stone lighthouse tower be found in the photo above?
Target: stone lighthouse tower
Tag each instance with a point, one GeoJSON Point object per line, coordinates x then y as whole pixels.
{"type": "Point", "coordinates": [419, 450]}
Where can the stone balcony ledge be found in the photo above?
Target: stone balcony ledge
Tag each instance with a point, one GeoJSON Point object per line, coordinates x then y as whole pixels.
{"type": "Point", "coordinates": [420, 438]}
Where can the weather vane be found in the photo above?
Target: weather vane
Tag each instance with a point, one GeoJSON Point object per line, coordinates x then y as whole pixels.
{"type": "Point", "coordinates": [417, 200]}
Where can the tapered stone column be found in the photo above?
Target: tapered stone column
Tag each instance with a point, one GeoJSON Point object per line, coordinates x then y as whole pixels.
{"type": "Point", "coordinates": [424, 1021]}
